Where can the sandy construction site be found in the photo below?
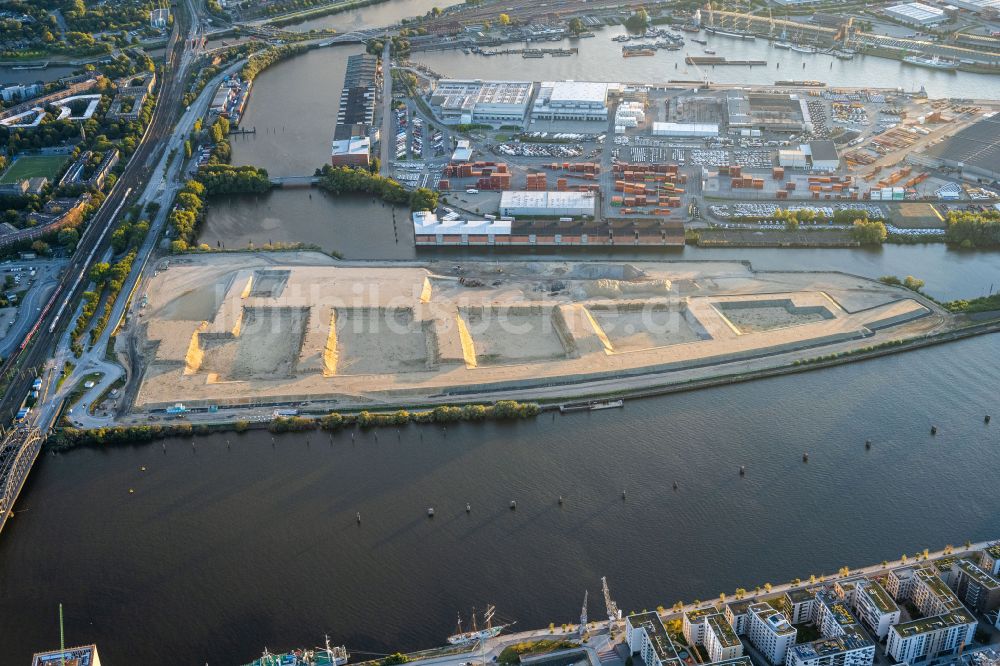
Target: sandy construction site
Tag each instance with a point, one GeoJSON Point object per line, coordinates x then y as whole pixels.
{"type": "Point", "coordinates": [251, 329]}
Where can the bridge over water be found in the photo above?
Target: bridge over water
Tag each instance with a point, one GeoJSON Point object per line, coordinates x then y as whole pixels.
{"type": "Point", "coordinates": [18, 452]}
{"type": "Point", "coordinates": [294, 181]}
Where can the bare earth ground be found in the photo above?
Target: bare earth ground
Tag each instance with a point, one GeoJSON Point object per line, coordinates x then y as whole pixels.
{"type": "Point", "coordinates": [252, 329]}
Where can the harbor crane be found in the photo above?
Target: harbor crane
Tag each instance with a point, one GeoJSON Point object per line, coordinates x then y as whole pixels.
{"type": "Point", "coordinates": [614, 615]}
{"type": "Point", "coordinates": [583, 614]}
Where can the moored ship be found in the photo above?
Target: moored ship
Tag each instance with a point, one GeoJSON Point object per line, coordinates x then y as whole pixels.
{"type": "Point", "coordinates": [934, 62]}
{"type": "Point", "coordinates": [324, 656]}
{"type": "Point", "coordinates": [475, 635]}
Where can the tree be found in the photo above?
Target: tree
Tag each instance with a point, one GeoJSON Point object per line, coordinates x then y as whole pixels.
{"type": "Point", "coordinates": [914, 284]}
{"type": "Point", "coordinates": [637, 22]}
{"type": "Point", "coordinates": [576, 25]}
{"type": "Point", "coordinates": [504, 19]}
{"type": "Point", "coordinates": [792, 224]}
{"type": "Point", "coordinates": [40, 247]}
{"type": "Point", "coordinates": [424, 199]}
{"type": "Point", "coordinates": [869, 232]}
{"type": "Point", "coordinates": [68, 238]}
{"type": "Point", "coordinates": [767, 587]}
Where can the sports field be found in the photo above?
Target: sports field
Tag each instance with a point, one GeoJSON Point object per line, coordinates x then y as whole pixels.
{"type": "Point", "coordinates": [33, 166]}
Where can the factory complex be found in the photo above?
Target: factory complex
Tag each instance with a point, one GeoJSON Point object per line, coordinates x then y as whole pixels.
{"type": "Point", "coordinates": [584, 163]}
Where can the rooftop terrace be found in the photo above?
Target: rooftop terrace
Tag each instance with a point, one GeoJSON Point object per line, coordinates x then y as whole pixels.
{"type": "Point", "coordinates": [939, 589]}
{"type": "Point", "coordinates": [775, 620]}
{"type": "Point", "coordinates": [879, 597]}
{"type": "Point", "coordinates": [975, 573]}
{"type": "Point", "coordinates": [799, 595]}
{"type": "Point", "coordinates": [723, 631]}
{"type": "Point", "coordinates": [658, 636]}
{"type": "Point", "coordinates": [927, 624]}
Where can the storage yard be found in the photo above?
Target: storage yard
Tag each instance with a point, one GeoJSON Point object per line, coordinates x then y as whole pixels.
{"type": "Point", "coordinates": [654, 159]}
{"type": "Point", "coordinates": [249, 330]}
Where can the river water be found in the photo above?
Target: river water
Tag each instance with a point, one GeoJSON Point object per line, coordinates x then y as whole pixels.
{"type": "Point", "coordinates": [220, 551]}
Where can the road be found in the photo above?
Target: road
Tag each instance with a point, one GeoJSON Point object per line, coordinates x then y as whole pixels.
{"type": "Point", "coordinates": [162, 187]}
{"type": "Point", "coordinates": [387, 137]}
{"type": "Point", "coordinates": [45, 283]}
{"type": "Point", "coordinates": [95, 239]}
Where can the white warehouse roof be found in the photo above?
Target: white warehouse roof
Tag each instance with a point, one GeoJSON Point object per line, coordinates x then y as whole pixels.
{"type": "Point", "coordinates": [428, 223]}
{"type": "Point", "coordinates": [685, 129]}
{"type": "Point", "coordinates": [917, 12]}
{"type": "Point", "coordinates": [554, 200]}
{"type": "Point", "coordinates": [578, 91]}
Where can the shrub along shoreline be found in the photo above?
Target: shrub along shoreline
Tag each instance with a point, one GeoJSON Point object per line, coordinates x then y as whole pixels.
{"type": "Point", "coordinates": [66, 439]}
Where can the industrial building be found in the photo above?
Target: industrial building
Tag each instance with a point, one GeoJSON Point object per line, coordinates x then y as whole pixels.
{"type": "Point", "coordinates": [359, 92]}
{"type": "Point", "coordinates": [463, 151]}
{"type": "Point", "coordinates": [974, 150]}
{"type": "Point", "coordinates": [547, 204]}
{"type": "Point", "coordinates": [699, 130]}
{"type": "Point", "coordinates": [985, 7]}
{"type": "Point", "coordinates": [353, 151]}
{"type": "Point", "coordinates": [823, 155]}
{"type": "Point", "coordinates": [572, 100]}
{"type": "Point", "coordinates": [916, 13]}
{"type": "Point", "coordinates": [465, 101]}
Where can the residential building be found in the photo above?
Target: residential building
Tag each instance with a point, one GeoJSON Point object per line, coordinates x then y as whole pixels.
{"type": "Point", "coordinates": [899, 582]}
{"type": "Point", "coordinates": [647, 637]}
{"type": "Point", "coordinates": [104, 168]}
{"type": "Point", "coordinates": [978, 589]}
{"type": "Point", "coordinates": [572, 100]}
{"type": "Point", "coordinates": [989, 560]}
{"type": "Point", "coordinates": [737, 613]}
{"type": "Point", "coordinates": [875, 607]}
{"type": "Point", "coordinates": [721, 641]}
{"type": "Point", "coordinates": [465, 101]}
{"type": "Point", "coordinates": [931, 638]}
{"type": "Point", "coordinates": [21, 92]}
{"type": "Point", "coordinates": [832, 615]}
{"type": "Point", "coordinates": [947, 569]}
{"type": "Point", "coordinates": [852, 648]}
{"type": "Point", "coordinates": [693, 624]}
{"type": "Point", "coordinates": [770, 632]}
{"type": "Point", "coordinates": [931, 595]}
{"type": "Point", "coordinates": [801, 605]}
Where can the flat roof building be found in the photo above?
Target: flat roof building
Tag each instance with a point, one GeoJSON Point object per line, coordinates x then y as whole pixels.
{"type": "Point", "coordinates": [547, 203]}
{"type": "Point", "coordinates": [931, 638]}
{"type": "Point", "coordinates": [975, 150]}
{"type": "Point", "coordinates": [875, 607]}
{"type": "Point", "coordinates": [770, 632]}
{"type": "Point", "coordinates": [647, 636]}
{"type": "Point", "coordinates": [989, 7]}
{"type": "Point", "coordinates": [823, 155]}
{"type": "Point", "coordinates": [354, 151]}
{"type": "Point", "coordinates": [989, 560]}
{"type": "Point", "coordinates": [463, 151]}
{"type": "Point", "coordinates": [427, 223]}
{"type": "Point", "coordinates": [721, 641]}
{"type": "Point", "coordinates": [465, 101]}
{"type": "Point", "coordinates": [736, 612]}
{"type": "Point", "coordinates": [85, 655]}
{"type": "Point", "coordinates": [572, 100]}
{"type": "Point", "coordinates": [158, 18]}
{"type": "Point", "coordinates": [916, 13]}
{"type": "Point", "coordinates": [694, 130]}
{"type": "Point", "coordinates": [977, 588]}
{"type": "Point", "coordinates": [801, 604]}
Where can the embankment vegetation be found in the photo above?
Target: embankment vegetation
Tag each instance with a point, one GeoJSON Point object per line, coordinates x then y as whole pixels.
{"type": "Point", "coordinates": [973, 229]}
{"type": "Point", "coordinates": [68, 438]}
{"type": "Point", "coordinates": [348, 180]}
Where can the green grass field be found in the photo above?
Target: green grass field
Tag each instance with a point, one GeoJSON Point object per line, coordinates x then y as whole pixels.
{"type": "Point", "coordinates": [33, 166]}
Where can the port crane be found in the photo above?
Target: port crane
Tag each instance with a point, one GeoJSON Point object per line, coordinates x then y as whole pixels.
{"type": "Point", "coordinates": [614, 614]}
{"type": "Point", "coordinates": [583, 614]}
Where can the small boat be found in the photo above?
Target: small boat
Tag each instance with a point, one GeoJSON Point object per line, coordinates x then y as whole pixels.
{"type": "Point", "coordinates": [782, 45]}
{"type": "Point", "coordinates": [799, 48]}
{"type": "Point", "coordinates": [933, 62]}
{"type": "Point", "coordinates": [607, 404]}
{"type": "Point", "coordinates": [700, 41]}
{"type": "Point", "coordinates": [709, 51]}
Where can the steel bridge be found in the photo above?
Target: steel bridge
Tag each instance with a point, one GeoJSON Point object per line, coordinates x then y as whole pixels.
{"type": "Point", "coordinates": [18, 452]}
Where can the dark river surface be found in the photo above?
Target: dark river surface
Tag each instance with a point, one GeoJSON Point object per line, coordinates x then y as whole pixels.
{"type": "Point", "coordinates": [221, 551]}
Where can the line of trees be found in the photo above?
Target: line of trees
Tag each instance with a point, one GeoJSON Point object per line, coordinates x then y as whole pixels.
{"type": "Point", "coordinates": [261, 61]}
{"type": "Point", "coordinates": [109, 279]}
{"type": "Point", "coordinates": [501, 410]}
{"type": "Point", "coordinates": [869, 232]}
{"type": "Point", "coordinates": [969, 229]}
